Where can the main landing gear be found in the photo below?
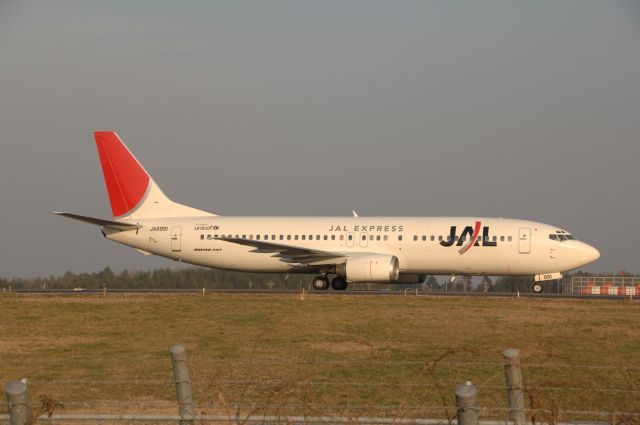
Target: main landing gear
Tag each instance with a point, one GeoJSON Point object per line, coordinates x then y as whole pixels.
{"type": "Point", "coordinates": [339, 283]}
{"type": "Point", "coordinates": [321, 283]}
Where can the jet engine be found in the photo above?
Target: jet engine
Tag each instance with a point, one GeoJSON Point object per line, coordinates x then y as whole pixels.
{"type": "Point", "coordinates": [379, 268]}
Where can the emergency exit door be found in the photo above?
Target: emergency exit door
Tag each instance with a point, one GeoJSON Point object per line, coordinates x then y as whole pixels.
{"type": "Point", "coordinates": [524, 240]}
{"type": "Point", "coordinates": [176, 236]}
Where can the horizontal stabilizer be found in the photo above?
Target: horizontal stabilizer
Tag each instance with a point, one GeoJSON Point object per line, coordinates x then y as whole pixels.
{"type": "Point", "coordinates": [118, 225]}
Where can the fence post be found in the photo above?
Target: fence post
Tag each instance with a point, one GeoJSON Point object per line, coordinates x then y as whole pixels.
{"type": "Point", "coordinates": [18, 403]}
{"type": "Point", "coordinates": [515, 387]}
{"type": "Point", "coordinates": [466, 404]}
{"type": "Point", "coordinates": [183, 383]}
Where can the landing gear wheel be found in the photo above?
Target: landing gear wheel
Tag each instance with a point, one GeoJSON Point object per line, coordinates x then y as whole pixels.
{"type": "Point", "coordinates": [537, 287]}
{"type": "Point", "coordinates": [339, 283]}
{"type": "Point", "coordinates": [320, 283]}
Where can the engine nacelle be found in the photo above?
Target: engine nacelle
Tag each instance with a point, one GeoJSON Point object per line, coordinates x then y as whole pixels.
{"type": "Point", "coordinates": [375, 268]}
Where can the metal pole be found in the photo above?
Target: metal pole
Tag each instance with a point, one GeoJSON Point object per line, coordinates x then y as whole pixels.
{"type": "Point", "coordinates": [515, 387]}
{"type": "Point", "coordinates": [466, 403]}
{"type": "Point", "coordinates": [18, 403]}
{"type": "Point", "coordinates": [183, 383]}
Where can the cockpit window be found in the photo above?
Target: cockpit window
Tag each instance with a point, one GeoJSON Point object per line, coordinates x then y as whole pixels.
{"type": "Point", "coordinates": [561, 237]}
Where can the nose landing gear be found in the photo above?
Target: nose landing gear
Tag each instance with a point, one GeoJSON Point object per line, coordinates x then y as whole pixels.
{"type": "Point", "coordinates": [537, 287]}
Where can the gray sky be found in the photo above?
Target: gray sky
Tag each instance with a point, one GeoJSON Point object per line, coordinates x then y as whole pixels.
{"type": "Point", "coordinates": [495, 108]}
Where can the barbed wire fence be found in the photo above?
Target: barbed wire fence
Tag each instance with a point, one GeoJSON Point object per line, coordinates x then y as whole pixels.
{"type": "Point", "coordinates": [308, 400]}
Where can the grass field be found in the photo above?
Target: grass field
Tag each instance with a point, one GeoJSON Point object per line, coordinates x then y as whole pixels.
{"type": "Point", "coordinates": [379, 356]}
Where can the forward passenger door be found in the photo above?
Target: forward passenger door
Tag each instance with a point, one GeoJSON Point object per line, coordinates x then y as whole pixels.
{"type": "Point", "coordinates": [524, 240]}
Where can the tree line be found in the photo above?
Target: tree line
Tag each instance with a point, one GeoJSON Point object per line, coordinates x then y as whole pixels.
{"type": "Point", "coordinates": [196, 278]}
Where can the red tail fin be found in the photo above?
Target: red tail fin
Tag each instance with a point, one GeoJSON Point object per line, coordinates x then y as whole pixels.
{"type": "Point", "coordinates": [124, 177]}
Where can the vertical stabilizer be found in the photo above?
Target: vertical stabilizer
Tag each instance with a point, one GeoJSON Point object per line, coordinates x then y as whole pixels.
{"type": "Point", "coordinates": [132, 192]}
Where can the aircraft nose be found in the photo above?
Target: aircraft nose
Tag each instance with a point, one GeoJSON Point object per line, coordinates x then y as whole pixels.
{"type": "Point", "coordinates": [588, 254]}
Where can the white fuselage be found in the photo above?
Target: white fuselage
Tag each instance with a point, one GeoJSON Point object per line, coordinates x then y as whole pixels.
{"type": "Point", "coordinates": [432, 245]}
{"type": "Point", "coordinates": [355, 249]}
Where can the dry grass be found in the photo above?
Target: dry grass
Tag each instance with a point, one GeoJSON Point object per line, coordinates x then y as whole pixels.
{"type": "Point", "coordinates": [382, 356]}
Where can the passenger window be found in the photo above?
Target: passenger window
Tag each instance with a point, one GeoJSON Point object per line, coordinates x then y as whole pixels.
{"type": "Point", "coordinates": [400, 238]}
{"type": "Point", "coordinates": [266, 237]}
{"type": "Point", "coordinates": [244, 236]}
{"type": "Point", "coordinates": [386, 237]}
{"type": "Point", "coordinates": [350, 237]}
{"type": "Point", "coordinates": [257, 237]}
{"type": "Point", "coordinates": [288, 237]}
{"type": "Point", "coordinates": [325, 237]}
{"type": "Point", "coordinates": [201, 237]}
{"type": "Point", "coordinates": [440, 238]}
{"type": "Point", "coordinates": [424, 238]}
{"type": "Point", "coordinates": [501, 238]}
{"type": "Point", "coordinates": [415, 237]}
{"type": "Point", "coordinates": [433, 238]}
{"type": "Point", "coordinates": [370, 237]}
{"type": "Point", "coordinates": [378, 237]}
{"type": "Point", "coordinates": [495, 238]}
{"type": "Point", "coordinates": [304, 237]}
{"type": "Point", "coordinates": [317, 237]}
{"type": "Point", "coordinates": [237, 236]}
{"type": "Point", "coordinates": [295, 237]}
{"type": "Point", "coordinates": [479, 239]}
{"type": "Point", "coordinates": [333, 237]}
{"type": "Point", "coordinates": [510, 238]}
{"type": "Point", "coordinates": [342, 237]}
{"type": "Point", "coordinates": [281, 237]}
{"type": "Point", "coordinates": [273, 237]}
{"type": "Point", "coordinates": [364, 237]}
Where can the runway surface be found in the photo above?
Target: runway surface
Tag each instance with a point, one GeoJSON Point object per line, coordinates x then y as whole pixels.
{"type": "Point", "coordinates": [329, 293]}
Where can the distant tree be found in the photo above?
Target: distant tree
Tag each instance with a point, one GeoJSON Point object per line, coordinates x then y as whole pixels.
{"type": "Point", "coordinates": [431, 283]}
{"type": "Point", "coordinates": [513, 284]}
{"type": "Point", "coordinates": [486, 285]}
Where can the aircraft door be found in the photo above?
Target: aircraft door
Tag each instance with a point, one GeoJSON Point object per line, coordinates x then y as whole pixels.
{"type": "Point", "coordinates": [524, 240]}
{"type": "Point", "coordinates": [176, 239]}
{"type": "Point", "coordinates": [364, 240]}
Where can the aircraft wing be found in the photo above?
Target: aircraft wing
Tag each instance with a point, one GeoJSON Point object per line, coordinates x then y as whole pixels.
{"type": "Point", "coordinates": [291, 254]}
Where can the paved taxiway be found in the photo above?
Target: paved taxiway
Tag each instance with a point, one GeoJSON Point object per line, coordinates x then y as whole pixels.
{"type": "Point", "coordinates": [329, 293]}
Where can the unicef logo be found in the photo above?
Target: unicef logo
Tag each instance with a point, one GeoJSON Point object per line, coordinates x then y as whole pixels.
{"type": "Point", "coordinates": [205, 227]}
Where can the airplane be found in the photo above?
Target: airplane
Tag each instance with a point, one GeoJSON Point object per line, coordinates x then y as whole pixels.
{"type": "Point", "coordinates": [388, 250]}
